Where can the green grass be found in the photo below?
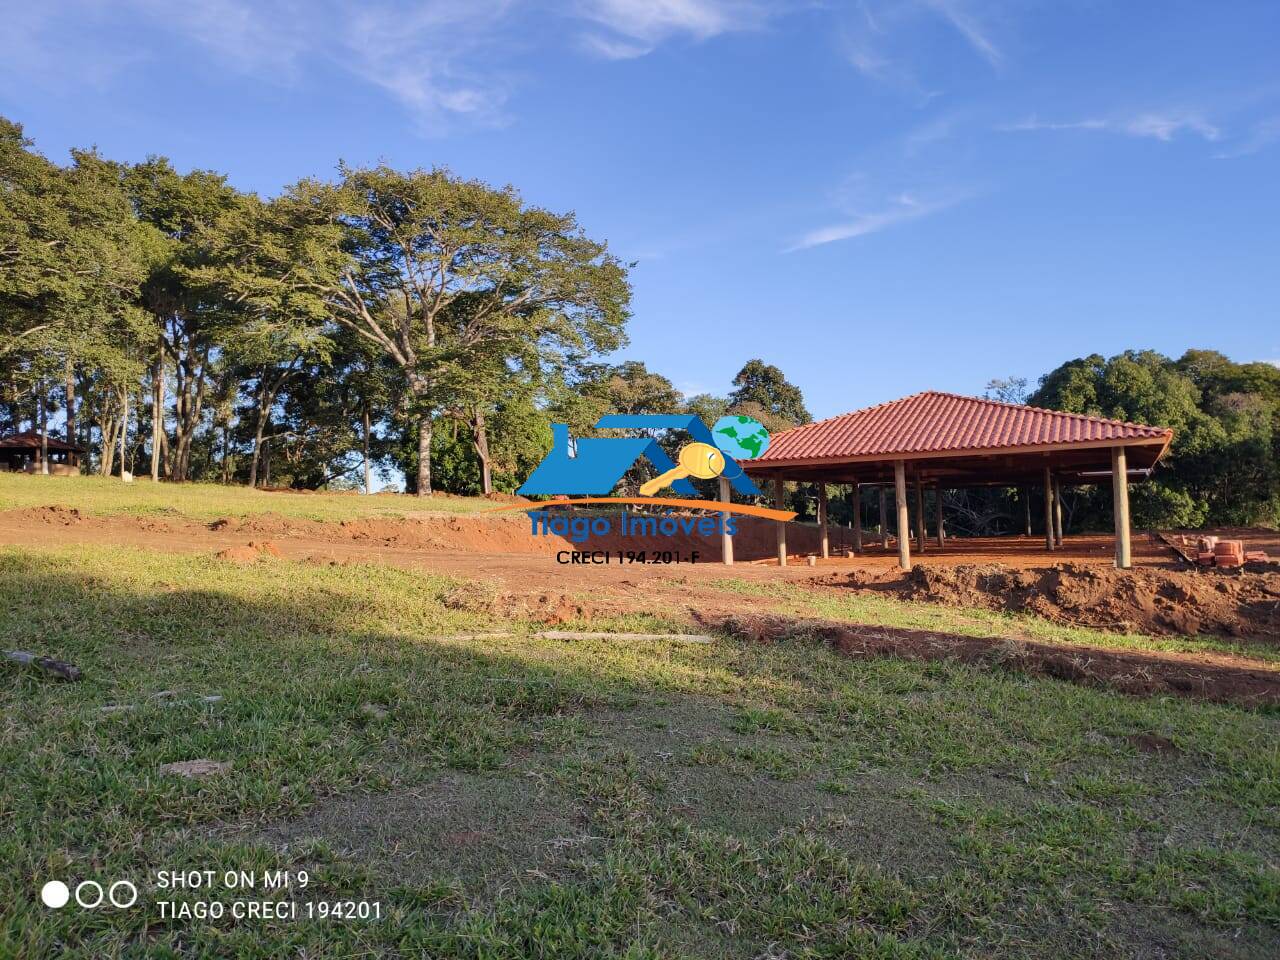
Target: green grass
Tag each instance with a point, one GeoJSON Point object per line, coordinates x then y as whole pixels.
{"type": "Point", "coordinates": [106, 496]}
{"type": "Point", "coordinates": [512, 796]}
{"type": "Point", "coordinates": [860, 607]}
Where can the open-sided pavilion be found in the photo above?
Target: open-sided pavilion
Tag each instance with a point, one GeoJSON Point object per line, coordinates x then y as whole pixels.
{"type": "Point", "coordinates": [942, 441]}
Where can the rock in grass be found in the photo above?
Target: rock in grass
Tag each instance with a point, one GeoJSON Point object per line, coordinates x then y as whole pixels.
{"type": "Point", "coordinates": [194, 769]}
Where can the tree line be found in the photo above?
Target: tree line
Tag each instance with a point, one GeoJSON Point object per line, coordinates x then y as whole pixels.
{"type": "Point", "coordinates": [1223, 467]}
{"type": "Point", "coordinates": [171, 324]}
{"type": "Point", "coordinates": [414, 319]}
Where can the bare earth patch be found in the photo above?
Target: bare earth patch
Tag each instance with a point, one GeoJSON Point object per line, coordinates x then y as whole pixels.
{"type": "Point", "coordinates": [1216, 677]}
{"type": "Point", "coordinates": [1154, 601]}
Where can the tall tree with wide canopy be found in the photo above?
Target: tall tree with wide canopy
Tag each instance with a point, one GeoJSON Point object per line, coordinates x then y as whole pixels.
{"type": "Point", "coordinates": [191, 321]}
{"type": "Point", "coordinates": [447, 277]}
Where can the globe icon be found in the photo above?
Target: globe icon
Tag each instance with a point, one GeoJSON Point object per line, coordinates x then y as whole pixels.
{"type": "Point", "coordinates": [742, 438]}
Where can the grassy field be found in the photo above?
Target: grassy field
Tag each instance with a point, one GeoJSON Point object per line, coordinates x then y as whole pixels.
{"type": "Point", "coordinates": [106, 496]}
{"type": "Point", "coordinates": [516, 796]}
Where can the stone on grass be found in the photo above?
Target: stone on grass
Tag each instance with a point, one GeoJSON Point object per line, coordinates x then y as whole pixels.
{"type": "Point", "coordinates": [196, 768]}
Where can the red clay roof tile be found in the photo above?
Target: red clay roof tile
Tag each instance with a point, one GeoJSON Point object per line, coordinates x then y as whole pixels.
{"type": "Point", "coordinates": [934, 422]}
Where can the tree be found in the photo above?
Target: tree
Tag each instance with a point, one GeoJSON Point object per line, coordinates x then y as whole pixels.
{"type": "Point", "coordinates": [707, 407]}
{"type": "Point", "coordinates": [761, 391]}
{"type": "Point", "coordinates": [631, 387]}
{"type": "Point", "coordinates": [1007, 390]}
{"type": "Point", "coordinates": [445, 275]}
{"type": "Point", "coordinates": [190, 319]}
{"type": "Point", "coordinates": [1222, 465]}
{"type": "Point", "coordinates": [71, 260]}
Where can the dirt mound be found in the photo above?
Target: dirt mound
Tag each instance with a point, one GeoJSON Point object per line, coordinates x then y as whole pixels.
{"type": "Point", "coordinates": [1234, 604]}
{"type": "Point", "coordinates": [1218, 678]}
{"type": "Point", "coordinates": [66, 516]}
{"type": "Point", "coordinates": [251, 552]}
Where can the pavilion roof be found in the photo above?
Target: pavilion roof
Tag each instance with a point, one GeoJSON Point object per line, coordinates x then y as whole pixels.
{"type": "Point", "coordinates": [30, 440]}
{"type": "Point", "coordinates": [936, 425]}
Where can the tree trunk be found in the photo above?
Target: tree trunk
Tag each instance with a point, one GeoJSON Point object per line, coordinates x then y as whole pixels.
{"type": "Point", "coordinates": [226, 452]}
{"type": "Point", "coordinates": [108, 426]}
{"type": "Point", "coordinates": [424, 455]}
{"type": "Point", "coordinates": [70, 386]}
{"type": "Point", "coordinates": [481, 435]}
{"type": "Point", "coordinates": [157, 416]}
{"type": "Point", "coordinates": [124, 427]}
{"type": "Point", "coordinates": [267, 393]}
{"type": "Point", "coordinates": [190, 373]}
{"type": "Point", "coordinates": [368, 472]}
{"type": "Point", "coordinates": [44, 430]}
{"type": "Point", "coordinates": [15, 405]}
{"type": "Point", "coordinates": [266, 465]}
{"type": "Point", "coordinates": [259, 430]}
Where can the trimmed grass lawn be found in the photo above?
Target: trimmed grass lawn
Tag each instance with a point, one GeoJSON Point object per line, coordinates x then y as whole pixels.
{"type": "Point", "coordinates": [515, 796]}
{"type": "Point", "coordinates": [106, 496]}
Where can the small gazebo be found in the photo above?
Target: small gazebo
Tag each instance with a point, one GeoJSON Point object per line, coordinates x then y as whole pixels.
{"type": "Point", "coordinates": [945, 441]}
{"type": "Point", "coordinates": [23, 452]}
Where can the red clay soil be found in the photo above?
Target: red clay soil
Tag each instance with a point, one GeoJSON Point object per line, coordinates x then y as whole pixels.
{"type": "Point", "coordinates": [503, 534]}
{"type": "Point", "coordinates": [1237, 603]}
{"type": "Point", "coordinates": [517, 574]}
{"type": "Point", "coordinates": [1219, 678]}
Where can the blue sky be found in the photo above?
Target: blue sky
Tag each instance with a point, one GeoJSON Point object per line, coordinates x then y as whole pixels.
{"type": "Point", "coordinates": [879, 197]}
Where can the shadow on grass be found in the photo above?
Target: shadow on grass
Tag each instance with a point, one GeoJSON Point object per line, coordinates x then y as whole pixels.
{"type": "Point", "coordinates": [655, 821]}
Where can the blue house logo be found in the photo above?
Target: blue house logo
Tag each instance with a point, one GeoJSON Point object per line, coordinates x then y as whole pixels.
{"type": "Point", "coordinates": [594, 465]}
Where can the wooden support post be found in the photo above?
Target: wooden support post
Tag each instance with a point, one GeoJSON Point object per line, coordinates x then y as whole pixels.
{"type": "Point", "coordinates": [1048, 510]}
{"type": "Point", "coordinates": [1026, 506]}
{"type": "Point", "coordinates": [857, 518]}
{"type": "Point", "coordinates": [904, 522]}
{"type": "Point", "coordinates": [1057, 511]}
{"type": "Point", "coordinates": [779, 501]}
{"type": "Point", "coordinates": [884, 520]}
{"type": "Point", "coordinates": [921, 527]}
{"type": "Point", "coordinates": [937, 510]}
{"type": "Point", "coordinates": [824, 539]}
{"type": "Point", "coordinates": [726, 541]}
{"type": "Point", "coordinates": [1120, 498]}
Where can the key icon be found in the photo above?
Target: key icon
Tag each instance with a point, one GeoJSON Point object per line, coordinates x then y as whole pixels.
{"type": "Point", "coordinates": [696, 459]}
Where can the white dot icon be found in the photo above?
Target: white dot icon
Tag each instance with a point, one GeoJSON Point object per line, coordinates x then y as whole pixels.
{"type": "Point", "coordinates": [55, 894]}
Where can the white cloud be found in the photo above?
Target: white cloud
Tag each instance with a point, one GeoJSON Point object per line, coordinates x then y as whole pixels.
{"type": "Point", "coordinates": [884, 43]}
{"type": "Point", "coordinates": [422, 56]}
{"type": "Point", "coordinates": [612, 49]}
{"type": "Point", "coordinates": [1160, 126]}
{"type": "Point", "coordinates": [1166, 126]}
{"type": "Point", "coordinates": [968, 26]}
{"type": "Point", "coordinates": [927, 134]}
{"type": "Point", "coordinates": [440, 59]}
{"type": "Point", "coordinates": [435, 57]}
{"type": "Point", "coordinates": [901, 209]}
{"type": "Point", "coordinates": [636, 27]}
{"type": "Point", "coordinates": [1262, 135]}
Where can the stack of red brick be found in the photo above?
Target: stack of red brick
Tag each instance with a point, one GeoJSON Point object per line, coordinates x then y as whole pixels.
{"type": "Point", "coordinates": [1212, 552]}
